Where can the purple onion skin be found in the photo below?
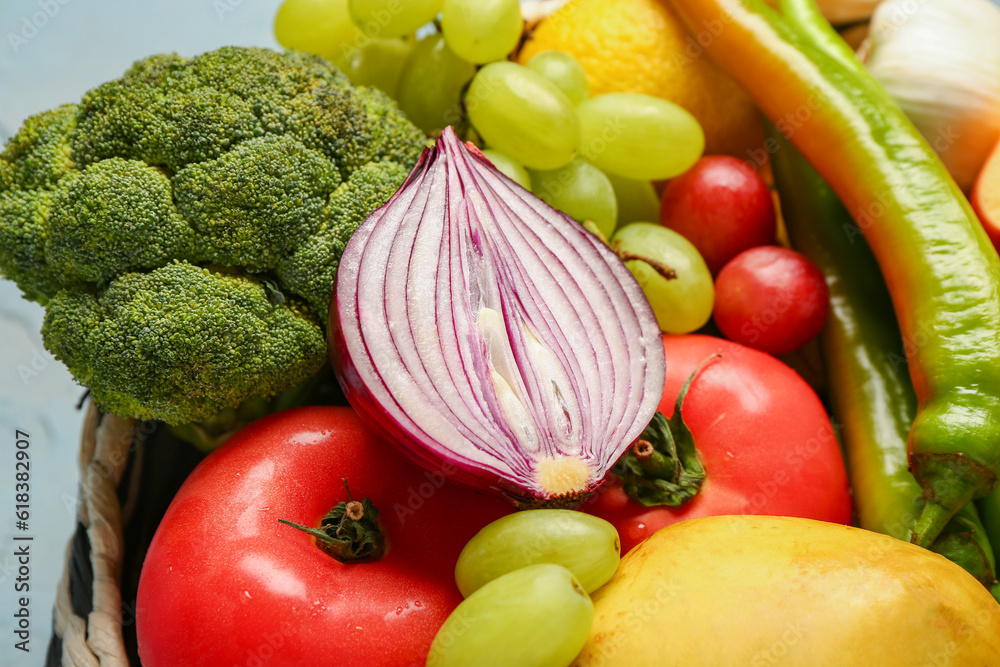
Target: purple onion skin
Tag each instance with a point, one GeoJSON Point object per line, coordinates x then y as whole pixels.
{"type": "Point", "coordinates": [574, 427]}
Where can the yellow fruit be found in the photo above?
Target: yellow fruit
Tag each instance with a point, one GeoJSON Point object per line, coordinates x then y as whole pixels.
{"type": "Point", "coordinates": [756, 591]}
{"type": "Point", "coordinates": [640, 46]}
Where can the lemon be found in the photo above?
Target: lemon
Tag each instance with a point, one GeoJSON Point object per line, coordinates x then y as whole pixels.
{"type": "Point", "coordinates": [641, 46]}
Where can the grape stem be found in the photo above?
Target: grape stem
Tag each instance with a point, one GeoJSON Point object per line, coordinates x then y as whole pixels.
{"type": "Point", "coordinates": [665, 271]}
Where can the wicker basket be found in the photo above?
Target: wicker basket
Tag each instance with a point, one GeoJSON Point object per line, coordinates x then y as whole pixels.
{"type": "Point", "coordinates": [129, 472]}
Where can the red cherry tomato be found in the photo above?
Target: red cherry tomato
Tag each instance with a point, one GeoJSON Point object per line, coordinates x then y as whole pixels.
{"type": "Point", "coordinates": [722, 206]}
{"type": "Point", "coordinates": [224, 583]}
{"type": "Point", "coordinates": [765, 440]}
{"type": "Point", "coordinates": [771, 299]}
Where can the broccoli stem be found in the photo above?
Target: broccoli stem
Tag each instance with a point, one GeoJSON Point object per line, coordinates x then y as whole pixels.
{"type": "Point", "coordinates": [319, 389]}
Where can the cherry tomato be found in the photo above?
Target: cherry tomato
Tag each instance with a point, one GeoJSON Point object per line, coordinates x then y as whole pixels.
{"type": "Point", "coordinates": [722, 206]}
{"type": "Point", "coordinates": [765, 440]}
{"type": "Point", "coordinates": [224, 583]}
{"type": "Point", "coordinates": [771, 299]}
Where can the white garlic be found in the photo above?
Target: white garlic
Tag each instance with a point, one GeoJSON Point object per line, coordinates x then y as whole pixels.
{"type": "Point", "coordinates": [940, 59]}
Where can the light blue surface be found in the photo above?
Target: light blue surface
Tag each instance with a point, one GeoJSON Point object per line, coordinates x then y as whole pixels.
{"type": "Point", "coordinates": [76, 45]}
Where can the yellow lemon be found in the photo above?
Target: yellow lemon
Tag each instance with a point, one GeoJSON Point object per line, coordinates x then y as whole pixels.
{"type": "Point", "coordinates": [641, 46]}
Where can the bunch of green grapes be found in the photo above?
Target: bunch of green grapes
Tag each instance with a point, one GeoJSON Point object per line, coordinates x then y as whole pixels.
{"type": "Point", "coordinates": [445, 62]}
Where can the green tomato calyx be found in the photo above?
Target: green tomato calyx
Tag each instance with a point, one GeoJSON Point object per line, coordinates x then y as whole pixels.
{"type": "Point", "coordinates": [662, 467]}
{"type": "Point", "coordinates": [350, 532]}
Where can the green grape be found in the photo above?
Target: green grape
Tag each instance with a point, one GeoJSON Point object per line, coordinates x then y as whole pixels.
{"type": "Point", "coordinates": [378, 63]}
{"type": "Point", "coordinates": [585, 545]}
{"type": "Point", "coordinates": [321, 27]}
{"type": "Point", "coordinates": [430, 85]}
{"type": "Point", "coordinates": [563, 70]}
{"type": "Point", "coordinates": [482, 31]}
{"type": "Point", "coordinates": [524, 115]}
{"type": "Point", "coordinates": [538, 616]}
{"type": "Point", "coordinates": [510, 167]}
{"type": "Point", "coordinates": [683, 304]}
{"type": "Point", "coordinates": [581, 191]}
{"type": "Point", "coordinates": [639, 136]}
{"type": "Point", "coordinates": [637, 200]}
{"type": "Point", "coordinates": [392, 18]}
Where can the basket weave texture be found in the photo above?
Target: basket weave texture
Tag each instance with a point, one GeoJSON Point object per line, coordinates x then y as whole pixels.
{"type": "Point", "coordinates": [129, 472]}
{"type": "Point", "coordinates": [87, 620]}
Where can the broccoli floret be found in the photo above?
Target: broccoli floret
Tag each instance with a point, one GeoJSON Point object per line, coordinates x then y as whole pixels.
{"type": "Point", "coordinates": [162, 113]}
{"type": "Point", "coordinates": [115, 216]}
{"type": "Point", "coordinates": [182, 224]}
{"type": "Point", "coordinates": [311, 269]}
{"type": "Point", "coordinates": [182, 330]}
{"type": "Point", "coordinates": [39, 155]}
{"type": "Point", "coordinates": [23, 231]}
{"type": "Point", "coordinates": [258, 202]}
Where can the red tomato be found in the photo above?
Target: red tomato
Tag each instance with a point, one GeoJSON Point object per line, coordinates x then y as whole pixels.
{"type": "Point", "coordinates": [224, 583]}
{"type": "Point", "coordinates": [766, 442]}
{"type": "Point", "coordinates": [772, 299]}
{"type": "Point", "coordinates": [722, 206]}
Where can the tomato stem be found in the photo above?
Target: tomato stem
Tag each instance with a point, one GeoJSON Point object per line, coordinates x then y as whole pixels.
{"type": "Point", "coordinates": [662, 467]}
{"type": "Point", "coordinates": [350, 532]}
{"type": "Point", "coordinates": [654, 463]}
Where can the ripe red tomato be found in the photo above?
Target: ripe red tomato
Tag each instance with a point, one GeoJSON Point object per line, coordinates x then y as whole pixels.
{"type": "Point", "coordinates": [771, 299]}
{"type": "Point", "coordinates": [765, 440]}
{"type": "Point", "coordinates": [722, 206]}
{"type": "Point", "coordinates": [224, 583]}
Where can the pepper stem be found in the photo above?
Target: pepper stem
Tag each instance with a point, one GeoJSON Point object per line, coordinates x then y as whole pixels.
{"type": "Point", "coordinates": [350, 532]}
{"type": "Point", "coordinates": [960, 547]}
{"type": "Point", "coordinates": [950, 482]}
{"type": "Point", "coordinates": [933, 518]}
{"type": "Point", "coordinates": [662, 467]}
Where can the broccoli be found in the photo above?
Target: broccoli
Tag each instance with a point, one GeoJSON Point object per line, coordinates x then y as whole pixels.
{"type": "Point", "coordinates": [182, 225]}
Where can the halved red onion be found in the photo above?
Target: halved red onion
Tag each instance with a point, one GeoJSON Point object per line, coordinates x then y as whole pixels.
{"type": "Point", "coordinates": [491, 336]}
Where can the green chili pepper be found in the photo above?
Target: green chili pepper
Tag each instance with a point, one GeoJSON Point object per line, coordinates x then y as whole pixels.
{"type": "Point", "coordinates": [989, 511]}
{"type": "Point", "coordinates": [942, 272]}
{"type": "Point", "coordinates": [869, 386]}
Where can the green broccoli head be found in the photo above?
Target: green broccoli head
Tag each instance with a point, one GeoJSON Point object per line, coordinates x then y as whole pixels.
{"type": "Point", "coordinates": [211, 336]}
{"type": "Point", "coordinates": [310, 270]}
{"type": "Point", "coordinates": [183, 224]}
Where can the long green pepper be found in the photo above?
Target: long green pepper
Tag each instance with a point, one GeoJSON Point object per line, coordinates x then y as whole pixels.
{"type": "Point", "coordinates": [869, 386]}
{"type": "Point", "coordinates": [942, 272]}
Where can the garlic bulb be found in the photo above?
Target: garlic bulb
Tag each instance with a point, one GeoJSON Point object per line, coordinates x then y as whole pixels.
{"type": "Point", "coordinates": [841, 12]}
{"type": "Point", "coordinates": [940, 59]}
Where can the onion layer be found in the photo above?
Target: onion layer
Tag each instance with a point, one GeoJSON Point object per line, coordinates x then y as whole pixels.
{"type": "Point", "coordinates": [492, 337]}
